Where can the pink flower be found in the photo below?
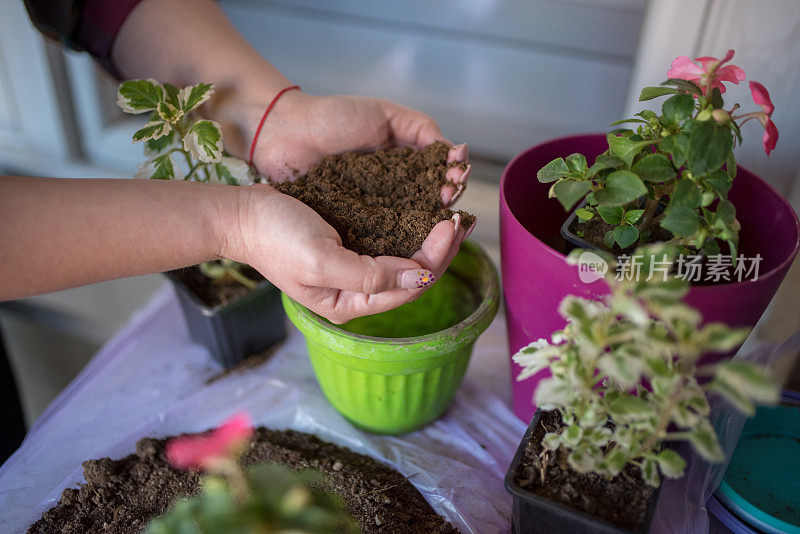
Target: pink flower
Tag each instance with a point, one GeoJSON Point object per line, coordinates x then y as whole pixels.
{"type": "Point", "coordinates": [195, 452]}
{"type": "Point", "coordinates": [710, 75]}
{"type": "Point", "coordinates": [761, 97]}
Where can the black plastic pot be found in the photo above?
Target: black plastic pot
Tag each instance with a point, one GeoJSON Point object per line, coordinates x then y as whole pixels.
{"type": "Point", "coordinates": [533, 514]}
{"type": "Point", "coordinates": [236, 330]}
{"type": "Point", "coordinates": [573, 238]}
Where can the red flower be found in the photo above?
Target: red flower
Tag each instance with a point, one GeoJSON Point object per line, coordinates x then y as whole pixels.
{"type": "Point", "coordinates": [761, 97]}
{"type": "Point", "coordinates": [195, 452]}
{"type": "Point", "coordinates": [711, 74]}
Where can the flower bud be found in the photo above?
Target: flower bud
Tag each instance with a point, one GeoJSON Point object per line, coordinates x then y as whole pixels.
{"type": "Point", "coordinates": [704, 115]}
{"type": "Point", "coordinates": [721, 116]}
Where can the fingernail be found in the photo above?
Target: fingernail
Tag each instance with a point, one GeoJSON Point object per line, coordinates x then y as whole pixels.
{"type": "Point", "coordinates": [447, 194]}
{"type": "Point", "coordinates": [417, 278]}
{"type": "Point", "coordinates": [459, 190]}
{"type": "Point", "coordinates": [458, 154]}
{"type": "Point", "coordinates": [456, 223]}
{"type": "Point", "coordinates": [456, 175]}
{"type": "Point", "coordinates": [471, 228]}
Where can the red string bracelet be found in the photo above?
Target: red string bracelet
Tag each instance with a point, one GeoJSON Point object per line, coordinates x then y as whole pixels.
{"type": "Point", "coordinates": [264, 118]}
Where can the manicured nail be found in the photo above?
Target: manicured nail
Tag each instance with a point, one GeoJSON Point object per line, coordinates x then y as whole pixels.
{"type": "Point", "coordinates": [417, 278]}
{"type": "Point", "coordinates": [456, 223]}
{"type": "Point", "coordinates": [458, 154]}
{"type": "Point", "coordinates": [471, 228]}
{"type": "Point", "coordinates": [459, 190]}
{"type": "Point", "coordinates": [457, 176]}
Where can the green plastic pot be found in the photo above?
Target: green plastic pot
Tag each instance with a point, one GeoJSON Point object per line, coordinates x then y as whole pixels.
{"type": "Point", "coordinates": [397, 385]}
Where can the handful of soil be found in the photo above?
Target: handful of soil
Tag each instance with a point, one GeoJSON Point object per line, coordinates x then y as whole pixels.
{"type": "Point", "coordinates": [384, 203]}
{"type": "Point", "coordinates": [122, 496]}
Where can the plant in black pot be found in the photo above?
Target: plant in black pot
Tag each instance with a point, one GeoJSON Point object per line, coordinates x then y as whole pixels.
{"type": "Point", "coordinates": [625, 379]}
{"type": "Point", "coordinates": [668, 179]}
{"type": "Point", "coordinates": [229, 307]}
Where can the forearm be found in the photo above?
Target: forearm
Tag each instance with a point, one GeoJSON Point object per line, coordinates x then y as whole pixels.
{"type": "Point", "coordinates": [184, 42]}
{"type": "Point", "coordinates": [59, 233]}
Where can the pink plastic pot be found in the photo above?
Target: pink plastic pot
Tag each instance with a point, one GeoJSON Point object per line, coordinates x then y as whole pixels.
{"type": "Point", "coordinates": [536, 277]}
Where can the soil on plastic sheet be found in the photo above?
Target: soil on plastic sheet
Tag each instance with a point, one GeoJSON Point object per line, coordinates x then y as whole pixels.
{"type": "Point", "coordinates": [122, 496]}
{"type": "Point", "coordinates": [382, 203]}
{"type": "Point", "coordinates": [621, 501]}
{"type": "Point", "coordinates": [216, 292]}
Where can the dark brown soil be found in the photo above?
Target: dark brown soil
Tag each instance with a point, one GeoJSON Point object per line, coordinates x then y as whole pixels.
{"type": "Point", "coordinates": [621, 501]}
{"type": "Point", "coordinates": [383, 203]}
{"type": "Point", "coordinates": [122, 496]}
{"type": "Point", "coordinates": [216, 292]}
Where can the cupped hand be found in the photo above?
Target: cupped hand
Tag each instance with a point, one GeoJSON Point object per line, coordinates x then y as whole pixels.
{"type": "Point", "coordinates": [293, 247]}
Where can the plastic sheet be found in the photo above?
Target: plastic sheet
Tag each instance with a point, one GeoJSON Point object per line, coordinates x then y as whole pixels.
{"type": "Point", "coordinates": [151, 381]}
{"type": "Point", "coordinates": [682, 503]}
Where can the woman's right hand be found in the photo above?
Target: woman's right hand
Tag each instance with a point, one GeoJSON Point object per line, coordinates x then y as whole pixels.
{"type": "Point", "coordinates": [295, 249]}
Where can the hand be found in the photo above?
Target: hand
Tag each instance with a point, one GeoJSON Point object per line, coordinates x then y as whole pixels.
{"type": "Point", "coordinates": [293, 247]}
{"type": "Point", "coordinates": [302, 129]}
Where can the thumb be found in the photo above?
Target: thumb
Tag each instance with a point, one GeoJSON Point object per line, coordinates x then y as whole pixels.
{"type": "Point", "coordinates": [346, 270]}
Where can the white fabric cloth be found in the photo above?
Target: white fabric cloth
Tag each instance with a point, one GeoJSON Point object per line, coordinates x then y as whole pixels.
{"type": "Point", "coordinates": [150, 380]}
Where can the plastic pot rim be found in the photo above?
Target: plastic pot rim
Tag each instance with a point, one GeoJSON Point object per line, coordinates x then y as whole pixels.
{"type": "Point", "coordinates": [465, 331]}
{"type": "Point", "coordinates": [265, 286]}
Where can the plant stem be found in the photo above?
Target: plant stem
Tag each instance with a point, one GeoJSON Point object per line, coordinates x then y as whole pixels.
{"type": "Point", "coordinates": [648, 220]}
{"type": "Point", "coordinates": [234, 273]}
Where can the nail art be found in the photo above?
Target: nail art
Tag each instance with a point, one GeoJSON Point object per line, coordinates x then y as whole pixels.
{"type": "Point", "coordinates": [417, 278]}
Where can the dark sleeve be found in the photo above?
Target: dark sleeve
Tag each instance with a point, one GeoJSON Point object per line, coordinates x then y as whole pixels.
{"type": "Point", "coordinates": [90, 25]}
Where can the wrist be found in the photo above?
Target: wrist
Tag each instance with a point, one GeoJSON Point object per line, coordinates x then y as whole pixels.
{"type": "Point", "coordinates": [239, 111]}
{"type": "Point", "coordinates": [233, 214]}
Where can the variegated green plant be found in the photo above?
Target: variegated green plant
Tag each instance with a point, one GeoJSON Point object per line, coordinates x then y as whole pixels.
{"type": "Point", "coordinates": [176, 131]}
{"type": "Point", "coordinates": [641, 331]}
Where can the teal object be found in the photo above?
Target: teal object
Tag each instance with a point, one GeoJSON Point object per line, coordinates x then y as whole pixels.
{"type": "Point", "coordinates": [762, 483]}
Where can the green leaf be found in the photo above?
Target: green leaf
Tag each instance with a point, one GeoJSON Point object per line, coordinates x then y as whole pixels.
{"type": "Point", "coordinates": [204, 141]}
{"type": "Point", "coordinates": [709, 146]}
{"type": "Point", "coordinates": [608, 239]}
{"type": "Point", "coordinates": [677, 146]}
{"type": "Point", "coordinates": [705, 442]}
{"type": "Point", "coordinates": [625, 149]}
{"type": "Point", "coordinates": [681, 221]}
{"type": "Point", "coordinates": [654, 168]}
{"type": "Point", "coordinates": [650, 473]}
{"type": "Point", "coordinates": [720, 182]}
{"type": "Point", "coordinates": [172, 95]}
{"type": "Point", "coordinates": [726, 212]}
{"type": "Point", "coordinates": [620, 188]}
{"type": "Point", "coordinates": [623, 121]}
{"type": "Point", "coordinates": [603, 162]}
{"type": "Point", "coordinates": [611, 214]}
{"type": "Point", "coordinates": [577, 163]}
{"type": "Point", "coordinates": [730, 165]}
{"type": "Point", "coordinates": [152, 130]}
{"type": "Point", "coordinates": [625, 407]}
{"type": "Point", "coordinates": [671, 463]}
{"type": "Point", "coordinates": [154, 147]}
{"type": "Point", "coordinates": [169, 113]}
{"type": "Point", "coordinates": [750, 380]}
{"type": "Point", "coordinates": [632, 216]}
{"type": "Point", "coordinates": [555, 170]}
{"type": "Point", "coordinates": [678, 107]}
{"type": "Point", "coordinates": [736, 398]}
{"type": "Point", "coordinates": [649, 93]}
{"type": "Point", "coordinates": [687, 194]}
{"type": "Point", "coordinates": [139, 96]}
{"type": "Point", "coordinates": [160, 168]}
{"type": "Point", "coordinates": [584, 214]}
{"type": "Point", "coordinates": [684, 85]}
{"type": "Point", "coordinates": [715, 97]}
{"type": "Point", "coordinates": [721, 338]}
{"type": "Point", "coordinates": [626, 235]}
{"type": "Point", "coordinates": [231, 171]}
{"type": "Point", "coordinates": [568, 192]}
{"type": "Point", "coordinates": [193, 96]}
